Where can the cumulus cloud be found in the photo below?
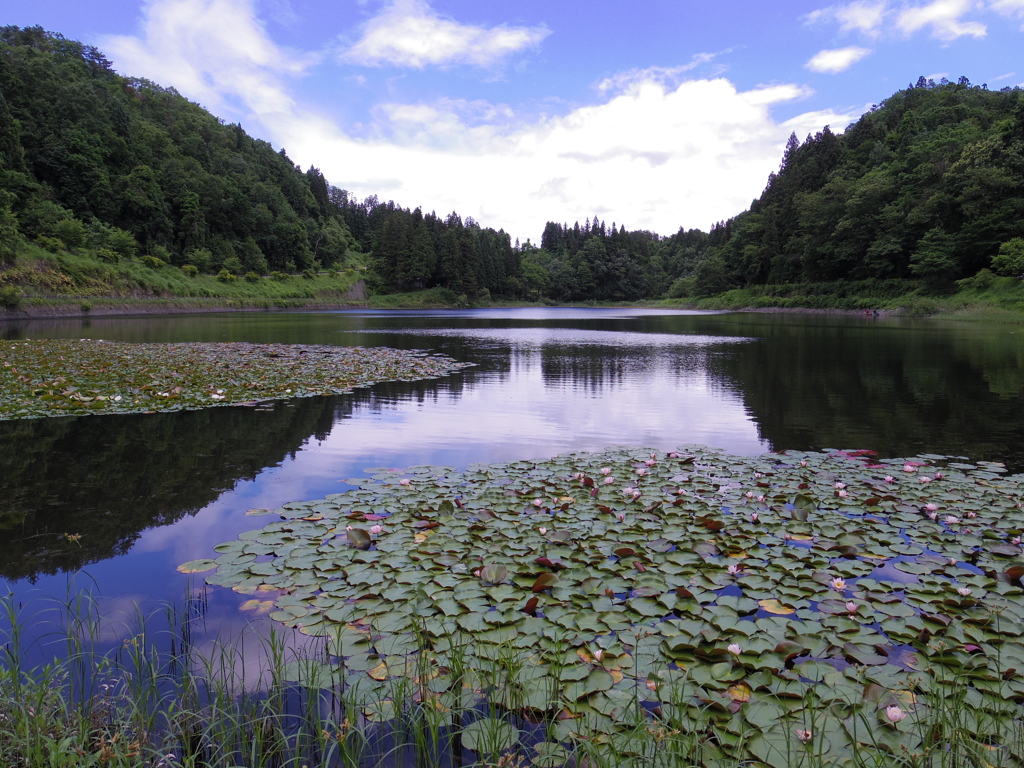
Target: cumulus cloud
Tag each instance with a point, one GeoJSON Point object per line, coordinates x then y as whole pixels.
{"type": "Point", "coordinates": [215, 52]}
{"type": "Point", "coordinates": [408, 33]}
{"type": "Point", "coordinates": [646, 154]}
{"type": "Point", "coordinates": [864, 17]}
{"type": "Point", "coordinates": [836, 60]}
{"type": "Point", "coordinates": [653, 158]}
{"type": "Point", "coordinates": [943, 18]}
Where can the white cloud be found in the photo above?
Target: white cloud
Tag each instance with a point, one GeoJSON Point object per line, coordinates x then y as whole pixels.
{"type": "Point", "coordinates": [1008, 7]}
{"type": "Point", "coordinates": [864, 17]}
{"type": "Point", "coordinates": [408, 33]}
{"type": "Point", "coordinates": [943, 17]}
{"type": "Point", "coordinates": [215, 52]}
{"type": "Point", "coordinates": [621, 81]}
{"type": "Point", "coordinates": [652, 158]}
{"type": "Point", "coordinates": [837, 60]}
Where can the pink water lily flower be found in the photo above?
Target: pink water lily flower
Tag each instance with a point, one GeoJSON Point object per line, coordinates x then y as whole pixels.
{"type": "Point", "coordinates": [952, 520]}
{"type": "Point", "coordinates": [1015, 540]}
{"type": "Point", "coordinates": [376, 529]}
{"type": "Point", "coordinates": [673, 455]}
{"type": "Point", "coordinates": [803, 735]}
{"type": "Point", "coordinates": [894, 714]}
{"type": "Point", "coordinates": [925, 479]}
{"type": "Point", "coordinates": [650, 462]}
{"type": "Point", "coordinates": [938, 475]}
{"type": "Point", "coordinates": [851, 607]}
{"type": "Point", "coordinates": [753, 517]}
{"type": "Point", "coordinates": [971, 514]}
{"type": "Point", "coordinates": [964, 591]}
{"type": "Point", "coordinates": [838, 585]}
{"type": "Point", "coordinates": [931, 507]}
{"type": "Point", "coordinates": [749, 494]}
{"type": "Point", "coordinates": [889, 479]}
{"type": "Point", "coordinates": [641, 471]}
{"type": "Point", "coordinates": [578, 476]}
{"type": "Point", "coordinates": [933, 516]}
{"type": "Point", "coordinates": [621, 518]}
{"type": "Point", "coordinates": [840, 486]}
{"type": "Point", "coordinates": [735, 649]}
{"type": "Point", "coordinates": [842, 494]}
{"type": "Point", "coordinates": [803, 462]}
{"type": "Point", "coordinates": [734, 569]}
{"type": "Point", "coordinates": [909, 468]}
{"type": "Point", "coordinates": [542, 531]}
{"type": "Point", "coordinates": [609, 480]}
{"type": "Point", "coordinates": [538, 502]}
{"type": "Point", "coordinates": [405, 481]}
{"type": "Point", "coordinates": [606, 470]}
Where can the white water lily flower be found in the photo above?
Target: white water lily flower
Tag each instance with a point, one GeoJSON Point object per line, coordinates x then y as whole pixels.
{"type": "Point", "coordinates": [894, 714]}
{"type": "Point", "coordinates": [838, 585]}
{"type": "Point", "coordinates": [735, 649]}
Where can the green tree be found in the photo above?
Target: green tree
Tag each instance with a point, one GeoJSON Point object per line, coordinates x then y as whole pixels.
{"type": "Point", "coordinates": [1010, 259]}
{"type": "Point", "coordinates": [10, 237]}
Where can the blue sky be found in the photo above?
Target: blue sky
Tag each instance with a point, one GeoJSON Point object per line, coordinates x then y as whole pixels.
{"type": "Point", "coordinates": [656, 115]}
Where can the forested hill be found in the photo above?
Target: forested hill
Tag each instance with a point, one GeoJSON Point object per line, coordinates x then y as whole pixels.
{"type": "Point", "coordinates": [93, 159]}
{"type": "Point", "coordinates": [927, 185]}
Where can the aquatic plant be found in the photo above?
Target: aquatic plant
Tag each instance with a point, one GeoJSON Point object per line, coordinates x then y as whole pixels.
{"type": "Point", "coordinates": [60, 377]}
{"type": "Point", "coordinates": [741, 599]}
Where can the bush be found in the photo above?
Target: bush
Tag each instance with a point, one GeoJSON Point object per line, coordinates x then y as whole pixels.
{"type": "Point", "coordinates": [233, 265]}
{"type": "Point", "coordinates": [308, 274]}
{"type": "Point", "coordinates": [52, 244]}
{"type": "Point", "coordinates": [190, 270]}
{"type": "Point", "coordinates": [252, 277]}
{"type": "Point", "coordinates": [152, 262]}
{"type": "Point", "coordinates": [10, 297]}
{"type": "Point", "coordinates": [10, 238]}
{"type": "Point", "coordinates": [1010, 260]}
{"type": "Point", "coordinates": [200, 258]}
{"type": "Point", "coordinates": [107, 255]}
{"type": "Point", "coordinates": [226, 277]}
{"type": "Point", "coordinates": [86, 306]}
{"type": "Point", "coordinates": [71, 232]}
{"type": "Point", "coordinates": [280, 276]}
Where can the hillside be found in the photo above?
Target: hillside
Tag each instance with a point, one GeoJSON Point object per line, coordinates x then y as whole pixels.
{"type": "Point", "coordinates": [116, 187]}
{"type": "Point", "coordinates": [928, 186]}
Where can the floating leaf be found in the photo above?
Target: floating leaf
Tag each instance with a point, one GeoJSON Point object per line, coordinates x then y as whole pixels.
{"type": "Point", "coordinates": [197, 566]}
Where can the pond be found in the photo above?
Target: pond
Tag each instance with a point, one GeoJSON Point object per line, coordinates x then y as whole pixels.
{"type": "Point", "coordinates": [125, 499]}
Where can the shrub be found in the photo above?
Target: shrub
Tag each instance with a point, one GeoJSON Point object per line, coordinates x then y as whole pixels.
{"type": "Point", "coordinates": [200, 258]}
{"type": "Point", "coordinates": [252, 277]}
{"type": "Point", "coordinates": [1010, 259]}
{"type": "Point", "coordinates": [52, 244]}
{"type": "Point", "coordinates": [10, 297]}
{"type": "Point", "coordinates": [10, 238]}
{"type": "Point", "coordinates": [86, 306]}
{"type": "Point", "coordinates": [226, 277]}
{"type": "Point", "coordinates": [280, 276]}
{"type": "Point", "coordinates": [308, 274]}
{"type": "Point", "coordinates": [152, 262]}
{"type": "Point", "coordinates": [233, 265]}
{"type": "Point", "coordinates": [190, 270]}
{"type": "Point", "coordinates": [71, 232]}
{"type": "Point", "coordinates": [105, 254]}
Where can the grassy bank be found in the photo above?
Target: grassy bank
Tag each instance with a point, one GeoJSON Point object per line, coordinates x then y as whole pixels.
{"type": "Point", "coordinates": [40, 282]}
{"type": "Point", "coordinates": [982, 297]}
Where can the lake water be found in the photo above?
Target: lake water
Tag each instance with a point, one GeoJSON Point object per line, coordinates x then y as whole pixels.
{"type": "Point", "coordinates": [148, 492]}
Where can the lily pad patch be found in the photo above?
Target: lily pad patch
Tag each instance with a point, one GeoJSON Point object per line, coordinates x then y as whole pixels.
{"type": "Point", "coordinates": [61, 377]}
{"type": "Point", "coordinates": [747, 589]}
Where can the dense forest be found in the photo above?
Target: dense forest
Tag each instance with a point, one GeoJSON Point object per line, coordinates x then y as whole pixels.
{"type": "Point", "coordinates": [91, 158]}
{"type": "Point", "coordinates": [925, 189]}
{"type": "Point", "coordinates": [928, 185]}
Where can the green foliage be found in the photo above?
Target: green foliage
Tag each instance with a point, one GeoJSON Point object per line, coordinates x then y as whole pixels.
{"type": "Point", "coordinates": [51, 244]}
{"type": "Point", "coordinates": [10, 237]}
{"type": "Point", "coordinates": [189, 270]}
{"type": "Point", "coordinates": [71, 232]}
{"type": "Point", "coordinates": [10, 297]}
{"type": "Point", "coordinates": [280, 276]}
{"type": "Point", "coordinates": [107, 255]}
{"type": "Point", "coordinates": [308, 274]}
{"type": "Point", "coordinates": [1010, 259]}
{"type": "Point", "coordinates": [152, 262]}
{"type": "Point", "coordinates": [252, 277]}
{"type": "Point", "coordinates": [226, 277]}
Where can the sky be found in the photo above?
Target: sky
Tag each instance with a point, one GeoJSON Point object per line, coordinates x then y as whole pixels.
{"type": "Point", "coordinates": [656, 114]}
